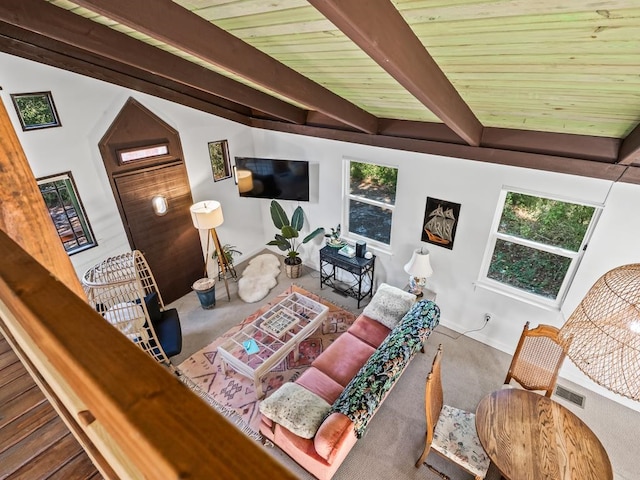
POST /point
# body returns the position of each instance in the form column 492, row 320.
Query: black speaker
column 361, row 248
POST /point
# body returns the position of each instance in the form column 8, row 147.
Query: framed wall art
column 35, row 110
column 67, row 213
column 219, row 156
column 440, row 222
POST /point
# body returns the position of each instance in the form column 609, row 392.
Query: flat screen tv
column 273, row 178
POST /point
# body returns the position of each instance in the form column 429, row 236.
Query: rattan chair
column 537, row 359
column 123, row 290
column 450, row 432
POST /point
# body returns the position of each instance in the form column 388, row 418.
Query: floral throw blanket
column 368, row 388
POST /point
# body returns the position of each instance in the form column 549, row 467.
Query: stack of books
column 347, row 251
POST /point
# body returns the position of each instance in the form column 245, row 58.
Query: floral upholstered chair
column 451, row 432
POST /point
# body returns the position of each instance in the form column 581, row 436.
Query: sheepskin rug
column 259, row 277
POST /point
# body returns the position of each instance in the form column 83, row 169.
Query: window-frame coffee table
column 276, row 332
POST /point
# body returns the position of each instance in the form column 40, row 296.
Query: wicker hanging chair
column 122, row 289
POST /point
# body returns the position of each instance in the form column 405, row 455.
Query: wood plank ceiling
column 547, row 84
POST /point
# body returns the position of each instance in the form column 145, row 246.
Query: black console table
column 358, row 273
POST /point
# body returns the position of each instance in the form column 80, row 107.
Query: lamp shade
column 245, row 180
column 602, row 335
column 206, row 215
column 419, row 264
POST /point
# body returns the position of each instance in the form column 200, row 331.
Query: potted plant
column 333, row 238
column 287, row 239
column 229, row 251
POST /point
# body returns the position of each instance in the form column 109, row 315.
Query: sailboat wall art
column 440, row 222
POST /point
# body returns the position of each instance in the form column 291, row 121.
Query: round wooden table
column 531, row 437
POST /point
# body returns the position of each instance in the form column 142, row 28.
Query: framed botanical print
column 67, row 213
column 36, row 110
column 219, row 157
column 440, row 222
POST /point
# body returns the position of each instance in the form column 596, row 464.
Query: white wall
column 87, row 107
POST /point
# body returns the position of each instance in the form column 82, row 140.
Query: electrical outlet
column 487, row 317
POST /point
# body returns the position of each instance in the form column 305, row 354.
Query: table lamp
column 419, row 269
column 207, row 215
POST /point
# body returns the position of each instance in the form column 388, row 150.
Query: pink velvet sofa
column 327, row 377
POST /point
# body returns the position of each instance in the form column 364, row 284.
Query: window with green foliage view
column 371, row 198
column 537, row 244
column 64, row 206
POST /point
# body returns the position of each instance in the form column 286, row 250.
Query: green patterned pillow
column 296, row 408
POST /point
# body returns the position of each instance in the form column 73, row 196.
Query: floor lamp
column 207, row 215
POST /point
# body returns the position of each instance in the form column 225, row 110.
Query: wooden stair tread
column 50, row 459
column 8, row 358
column 20, row 404
column 30, row 447
column 78, row 468
column 4, row 345
column 15, row 387
column 34, row 441
column 25, row 425
column 10, row 373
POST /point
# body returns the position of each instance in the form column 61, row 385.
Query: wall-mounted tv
column 273, row 178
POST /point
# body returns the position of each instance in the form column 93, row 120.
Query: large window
column 536, row 245
column 62, row 201
column 371, row 198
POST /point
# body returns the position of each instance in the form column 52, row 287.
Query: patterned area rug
column 233, row 394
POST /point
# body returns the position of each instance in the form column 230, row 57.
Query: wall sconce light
column 160, row 205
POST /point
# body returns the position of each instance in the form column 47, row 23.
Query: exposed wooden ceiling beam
column 25, row 45
column 630, row 148
column 536, row 161
column 599, row 149
column 169, row 22
column 50, row 21
column 377, row 27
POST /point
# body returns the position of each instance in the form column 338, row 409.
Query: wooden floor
column 34, row 442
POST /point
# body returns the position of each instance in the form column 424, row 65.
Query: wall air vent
column 570, row 396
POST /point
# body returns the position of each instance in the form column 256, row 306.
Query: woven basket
column 293, row 271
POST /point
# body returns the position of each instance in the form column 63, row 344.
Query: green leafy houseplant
column 287, row 239
column 229, row 251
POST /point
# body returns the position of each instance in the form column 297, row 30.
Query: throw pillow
column 296, row 409
column 153, row 307
column 389, row 305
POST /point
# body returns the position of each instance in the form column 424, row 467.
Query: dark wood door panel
column 170, row 243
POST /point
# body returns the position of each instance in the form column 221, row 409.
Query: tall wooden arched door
column 144, row 161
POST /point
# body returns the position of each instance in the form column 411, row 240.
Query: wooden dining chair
column 450, row 432
column 537, row 359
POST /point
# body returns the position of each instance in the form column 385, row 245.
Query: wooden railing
column 139, row 417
